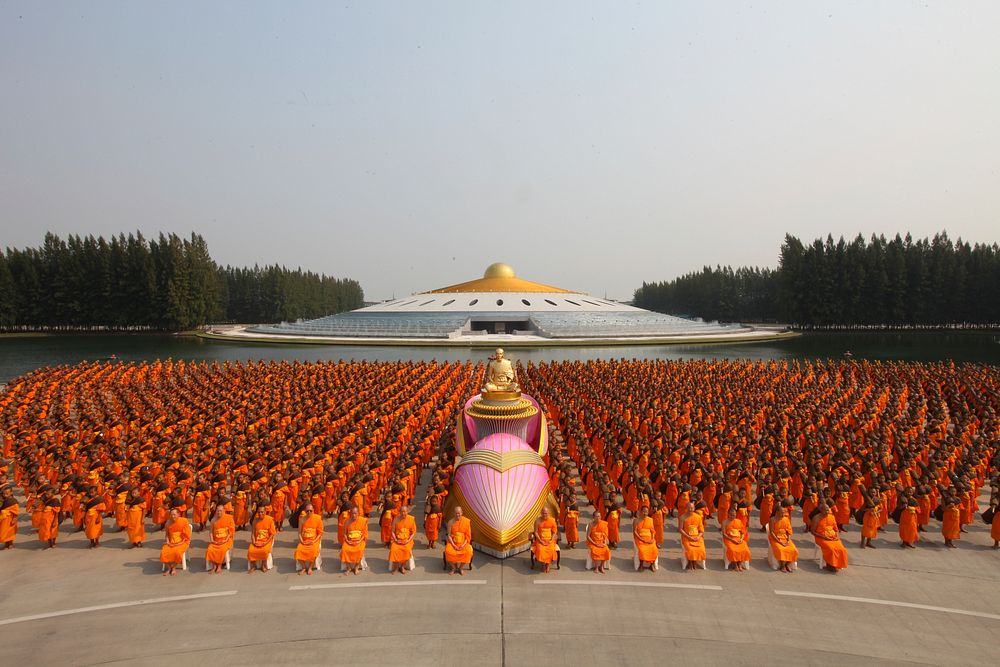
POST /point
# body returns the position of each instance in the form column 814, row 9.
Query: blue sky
column 410, row 144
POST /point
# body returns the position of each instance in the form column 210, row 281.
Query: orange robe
column 614, row 528
column 223, row 532
column 645, row 543
column 48, row 526
column 870, row 523
column 780, row 540
column 401, row 547
column 264, row 531
column 8, row 523
column 908, row 525
column 691, row 537
column 734, row 539
column 597, row 541
column 310, row 534
column 461, row 534
column 825, row 534
column 134, row 515
column 572, row 526
column 355, row 539
column 93, row 521
column 951, row 526
column 178, row 541
column 544, row 547
column 432, row 526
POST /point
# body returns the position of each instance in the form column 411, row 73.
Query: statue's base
column 501, row 395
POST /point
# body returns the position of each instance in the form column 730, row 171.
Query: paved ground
column 124, row 612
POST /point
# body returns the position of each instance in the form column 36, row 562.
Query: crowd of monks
column 263, row 447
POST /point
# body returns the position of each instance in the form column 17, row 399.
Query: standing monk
column 544, row 539
column 597, row 543
column 951, row 526
column 9, row 509
column 221, row 542
column 178, row 540
column 404, row 530
column 458, row 548
column 432, row 524
column 310, row 536
column 572, row 526
column 93, row 518
column 644, row 537
column 908, row 533
column 352, row 551
column 261, row 540
column 135, row 514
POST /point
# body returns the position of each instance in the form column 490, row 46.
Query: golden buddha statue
column 501, row 378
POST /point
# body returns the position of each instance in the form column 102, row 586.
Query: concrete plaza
column 111, row 606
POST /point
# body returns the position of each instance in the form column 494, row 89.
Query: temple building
column 502, row 307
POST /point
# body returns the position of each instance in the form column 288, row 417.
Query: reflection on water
column 20, row 355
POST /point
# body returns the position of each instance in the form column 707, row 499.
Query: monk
column 826, row 533
column 572, row 526
column 135, row 514
column 432, row 524
column 9, row 510
column 908, row 533
column 994, row 526
column 458, row 548
column 614, row 523
column 48, row 527
column 178, row 540
column 644, row 538
column 404, row 530
column 544, row 539
column 734, row 541
column 779, row 537
column 310, row 538
column 951, row 526
column 352, row 551
column 93, row 519
column 869, row 524
column 261, row 540
column 597, row 543
column 221, row 539
column 691, row 526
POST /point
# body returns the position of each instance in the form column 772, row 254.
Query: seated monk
column 692, row 529
column 261, row 540
column 404, row 530
column 597, row 543
column 310, row 537
column 458, row 548
column 221, row 541
column 734, row 540
column 544, row 539
column 178, row 540
column 826, row 533
column 352, row 551
column 779, row 537
column 644, row 537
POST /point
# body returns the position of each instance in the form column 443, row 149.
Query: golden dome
column 499, row 270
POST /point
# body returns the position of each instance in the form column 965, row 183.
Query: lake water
column 20, row 355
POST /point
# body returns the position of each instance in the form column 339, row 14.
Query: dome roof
column 500, row 277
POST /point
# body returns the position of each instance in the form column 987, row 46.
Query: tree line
column 164, row 284
column 877, row 282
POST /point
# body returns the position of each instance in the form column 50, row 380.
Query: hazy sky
column 410, row 144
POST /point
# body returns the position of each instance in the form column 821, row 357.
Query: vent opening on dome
column 526, row 302
column 499, row 302
column 573, row 302
column 448, row 302
column 474, row 302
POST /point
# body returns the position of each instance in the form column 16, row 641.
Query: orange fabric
column 177, row 542
column 221, row 539
column 780, row 540
column 461, row 534
column 401, row 547
column 544, row 546
column 355, row 540
column 310, row 534
column 262, row 540
column 134, row 522
column 734, row 540
column 692, row 528
column 645, row 540
column 597, row 541
column 826, row 536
